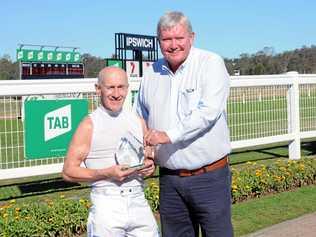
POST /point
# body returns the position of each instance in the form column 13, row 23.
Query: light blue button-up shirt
column 190, row 106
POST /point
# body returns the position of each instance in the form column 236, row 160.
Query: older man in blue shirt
column 183, row 99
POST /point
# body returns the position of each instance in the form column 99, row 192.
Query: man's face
column 175, row 44
column 113, row 91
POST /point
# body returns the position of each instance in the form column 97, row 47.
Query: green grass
column 261, row 154
column 254, row 118
column 269, row 152
column 256, row 214
column 38, row 187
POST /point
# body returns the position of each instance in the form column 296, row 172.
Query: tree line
column 265, row 61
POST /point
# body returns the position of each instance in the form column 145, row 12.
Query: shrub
column 67, row 217
column 255, row 180
column 60, row 217
column 152, row 195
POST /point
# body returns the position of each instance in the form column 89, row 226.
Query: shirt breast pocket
column 188, row 101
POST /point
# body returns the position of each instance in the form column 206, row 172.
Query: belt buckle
column 188, row 173
column 204, row 169
column 185, row 173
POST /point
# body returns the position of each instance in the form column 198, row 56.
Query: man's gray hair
column 100, row 78
column 171, row 19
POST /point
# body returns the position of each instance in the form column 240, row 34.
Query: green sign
column 33, row 55
column 50, row 124
column 114, row 62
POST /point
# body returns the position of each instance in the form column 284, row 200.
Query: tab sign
column 57, row 122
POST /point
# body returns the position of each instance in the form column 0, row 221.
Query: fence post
column 293, row 109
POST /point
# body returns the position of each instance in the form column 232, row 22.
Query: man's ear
column 97, row 89
column 192, row 37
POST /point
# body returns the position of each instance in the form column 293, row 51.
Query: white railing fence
column 261, row 110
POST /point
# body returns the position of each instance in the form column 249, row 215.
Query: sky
column 227, row 27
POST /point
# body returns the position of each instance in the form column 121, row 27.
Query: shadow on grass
column 272, row 155
column 44, row 186
column 254, row 160
column 260, row 154
column 309, row 148
column 40, row 187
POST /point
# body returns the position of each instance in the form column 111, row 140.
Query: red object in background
column 51, row 70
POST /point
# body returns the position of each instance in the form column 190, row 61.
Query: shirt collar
column 166, row 67
column 109, row 112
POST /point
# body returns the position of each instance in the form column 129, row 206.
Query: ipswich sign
column 139, row 42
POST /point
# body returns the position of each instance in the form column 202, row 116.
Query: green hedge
column 67, row 217
column 59, row 217
column 255, row 180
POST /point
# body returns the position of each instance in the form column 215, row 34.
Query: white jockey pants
column 118, row 212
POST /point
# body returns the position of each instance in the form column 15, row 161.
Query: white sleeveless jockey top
column 108, row 129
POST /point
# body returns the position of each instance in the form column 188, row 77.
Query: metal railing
column 261, row 110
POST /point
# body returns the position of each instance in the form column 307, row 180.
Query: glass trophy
column 130, row 151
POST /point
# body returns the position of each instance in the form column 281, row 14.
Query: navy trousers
column 187, row 203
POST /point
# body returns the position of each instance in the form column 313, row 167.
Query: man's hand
column 118, row 172
column 149, row 152
column 154, row 137
column 148, row 168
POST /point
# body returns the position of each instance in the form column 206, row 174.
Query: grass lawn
column 40, row 187
column 266, row 154
column 252, row 215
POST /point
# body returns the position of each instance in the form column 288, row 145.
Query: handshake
column 151, row 139
column 154, row 137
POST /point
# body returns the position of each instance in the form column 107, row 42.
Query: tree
column 92, row 65
column 265, row 61
column 8, row 70
column 259, row 69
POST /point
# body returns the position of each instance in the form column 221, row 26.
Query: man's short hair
column 171, row 19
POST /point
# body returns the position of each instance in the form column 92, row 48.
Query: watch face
column 130, row 151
